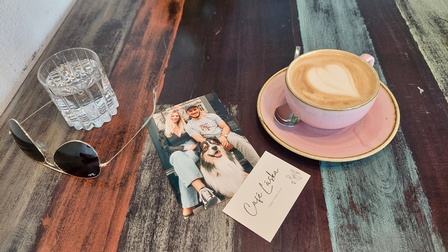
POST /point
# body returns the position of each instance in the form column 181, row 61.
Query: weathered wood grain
column 393, row 201
column 428, row 24
column 368, row 201
column 423, row 104
column 222, row 46
column 27, row 187
column 70, row 224
column 154, row 221
column 378, row 204
column 30, row 226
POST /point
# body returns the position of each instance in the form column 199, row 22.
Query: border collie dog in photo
column 220, row 168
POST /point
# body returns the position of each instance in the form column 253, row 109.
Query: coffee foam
column 332, row 80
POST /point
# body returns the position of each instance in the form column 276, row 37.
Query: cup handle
column 369, row 58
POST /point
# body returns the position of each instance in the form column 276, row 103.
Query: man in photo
column 202, row 126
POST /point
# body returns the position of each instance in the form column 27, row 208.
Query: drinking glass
column 78, row 86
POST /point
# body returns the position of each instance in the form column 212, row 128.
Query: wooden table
column 395, row 200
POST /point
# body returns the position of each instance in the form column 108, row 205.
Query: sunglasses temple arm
column 126, row 145
column 155, row 91
column 39, row 109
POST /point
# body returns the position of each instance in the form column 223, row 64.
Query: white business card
column 267, row 195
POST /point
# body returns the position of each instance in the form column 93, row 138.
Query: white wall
column 26, row 26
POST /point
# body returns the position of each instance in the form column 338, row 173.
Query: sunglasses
column 76, row 158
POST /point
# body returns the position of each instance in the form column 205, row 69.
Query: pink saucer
column 360, row 140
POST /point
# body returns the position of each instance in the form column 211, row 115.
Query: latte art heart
column 333, row 79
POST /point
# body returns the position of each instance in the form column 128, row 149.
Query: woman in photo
column 180, row 146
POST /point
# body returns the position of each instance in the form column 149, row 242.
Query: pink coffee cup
column 331, row 89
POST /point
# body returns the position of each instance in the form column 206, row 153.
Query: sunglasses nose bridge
column 49, row 163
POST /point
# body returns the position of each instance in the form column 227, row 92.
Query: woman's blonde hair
column 169, row 124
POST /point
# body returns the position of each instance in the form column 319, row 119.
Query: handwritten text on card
column 267, row 186
column 266, row 196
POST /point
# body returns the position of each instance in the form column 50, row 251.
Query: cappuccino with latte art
column 331, row 89
column 332, row 79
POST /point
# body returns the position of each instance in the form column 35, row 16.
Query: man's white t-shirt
column 207, row 126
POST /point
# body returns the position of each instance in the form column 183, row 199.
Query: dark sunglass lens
column 24, row 142
column 78, row 159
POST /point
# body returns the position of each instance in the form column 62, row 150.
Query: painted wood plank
column 28, row 188
column 428, row 24
column 367, row 200
column 231, row 53
column 233, row 49
column 264, row 45
column 423, row 104
column 71, row 225
column 154, row 221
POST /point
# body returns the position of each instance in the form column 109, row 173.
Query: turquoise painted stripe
column 375, row 204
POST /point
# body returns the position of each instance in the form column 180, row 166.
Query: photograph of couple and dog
column 203, row 152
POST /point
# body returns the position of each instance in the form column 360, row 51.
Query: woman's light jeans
column 184, row 163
